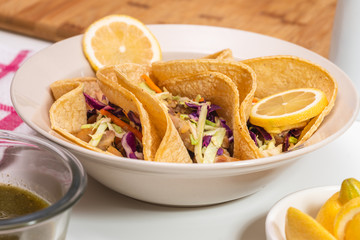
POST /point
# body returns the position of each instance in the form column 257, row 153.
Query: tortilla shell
column 61, row 87
column 225, row 54
column 280, row 73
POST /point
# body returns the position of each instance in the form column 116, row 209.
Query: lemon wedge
column 349, row 211
column 352, row 231
column 117, row 39
column 301, row 226
column 287, row 109
column 327, row 213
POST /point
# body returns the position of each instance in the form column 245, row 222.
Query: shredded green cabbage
column 95, row 138
column 200, row 134
column 215, row 143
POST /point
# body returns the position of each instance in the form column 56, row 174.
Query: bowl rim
column 251, row 164
column 74, row 193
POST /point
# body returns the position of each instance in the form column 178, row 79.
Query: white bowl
column 47, row 171
column 308, row 201
column 166, row 183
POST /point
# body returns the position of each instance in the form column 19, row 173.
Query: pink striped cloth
column 10, row 61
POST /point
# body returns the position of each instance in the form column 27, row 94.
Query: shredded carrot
column 122, row 124
column 150, row 83
column 125, row 113
column 255, row 100
column 199, row 100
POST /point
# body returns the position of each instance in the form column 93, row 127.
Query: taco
column 277, row 74
column 161, row 122
column 206, row 121
column 203, row 108
column 102, row 117
column 240, row 74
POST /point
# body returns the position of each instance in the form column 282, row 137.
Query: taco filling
column 273, row 143
column 205, row 135
column 111, row 129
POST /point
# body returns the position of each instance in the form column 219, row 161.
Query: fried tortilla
column 280, row 73
column 225, row 54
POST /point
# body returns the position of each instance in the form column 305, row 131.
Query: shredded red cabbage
column 128, row 142
column 194, row 116
column 229, row 132
column 116, row 110
column 211, row 117
column 193, row 105
column 292, row 133
column 133, row 117
column 213, row 108
column 132, row 155
column 206, row 140
column 253, row 137
column 220, row 152
column 295, row 132
column 286, row 144
column 264, row 133
column 212, row 114
column 94, row 103
column 109, row 108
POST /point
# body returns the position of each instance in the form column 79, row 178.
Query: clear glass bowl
column 46, row 170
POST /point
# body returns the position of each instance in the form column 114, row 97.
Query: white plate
column 177, row 184
column 308, row 201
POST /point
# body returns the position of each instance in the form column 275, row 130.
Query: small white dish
column 308, row 201
column 168, row 183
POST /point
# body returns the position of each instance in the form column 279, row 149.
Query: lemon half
column 117, row 39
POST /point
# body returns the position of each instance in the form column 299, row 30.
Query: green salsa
column 15, row 201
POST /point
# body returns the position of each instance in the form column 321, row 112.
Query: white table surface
column 105, row 214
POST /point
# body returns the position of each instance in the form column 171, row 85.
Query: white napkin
column 10, row 61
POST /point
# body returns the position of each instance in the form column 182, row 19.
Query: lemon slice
column 119, row 39
column 344, row 216
column 299, row 225
column 289, row 108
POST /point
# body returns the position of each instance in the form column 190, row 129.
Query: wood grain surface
column 304, row 22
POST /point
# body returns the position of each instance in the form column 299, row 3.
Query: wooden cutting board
column 304, row 22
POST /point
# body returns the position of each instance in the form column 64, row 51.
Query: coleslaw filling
column 102, row 132
column 205, row 135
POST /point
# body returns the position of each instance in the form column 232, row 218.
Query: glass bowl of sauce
column 39, row 184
